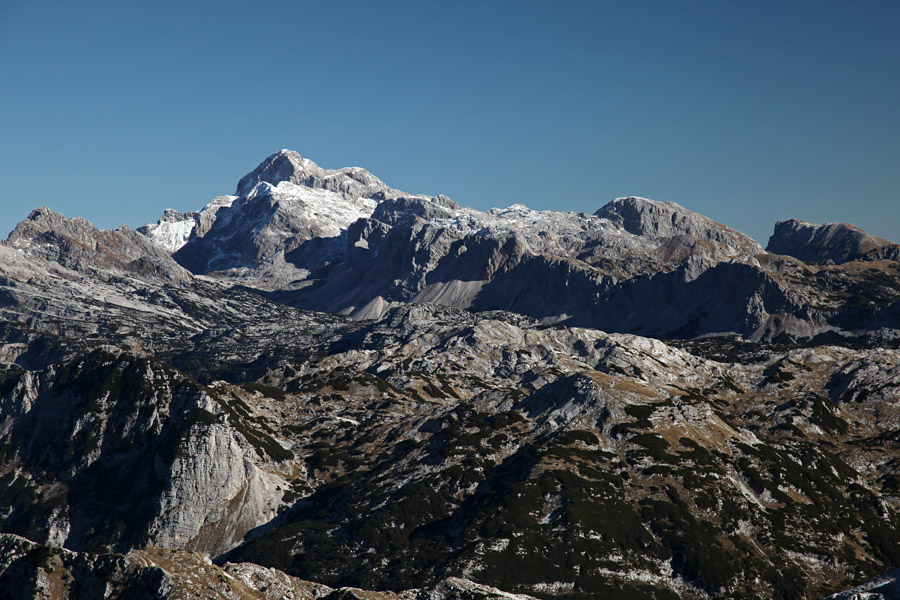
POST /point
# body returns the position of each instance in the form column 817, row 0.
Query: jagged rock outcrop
column 77, row 245
column 830, row 243
column 287, row 166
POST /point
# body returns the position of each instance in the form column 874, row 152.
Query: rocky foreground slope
column 32, row 570
column 481, row 412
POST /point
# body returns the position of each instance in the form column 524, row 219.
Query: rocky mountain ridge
column 457, row 425
column 830, row 243
column 343, row 242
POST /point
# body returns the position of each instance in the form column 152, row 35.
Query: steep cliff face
column 111, row 451
column 644, row 217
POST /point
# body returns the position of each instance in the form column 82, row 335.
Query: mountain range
column 324, row 386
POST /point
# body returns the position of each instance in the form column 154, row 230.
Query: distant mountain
column 77, row 245
column 284, row 203
column 831, row 243
column 342, row 241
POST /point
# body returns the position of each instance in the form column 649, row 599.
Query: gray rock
column 289, row 166
column 77, row 245
column 287, row 210
column 886, row 587
column 169, row 465
column 644, row 217
column 830, row 243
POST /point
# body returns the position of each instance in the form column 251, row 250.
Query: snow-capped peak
column 289, row 166
column 174, row 229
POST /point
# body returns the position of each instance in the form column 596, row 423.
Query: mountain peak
column 835, row 243
column 642, row 216
column 289, row 166
column 284, row 165
column 43, row 220
column 78, row 245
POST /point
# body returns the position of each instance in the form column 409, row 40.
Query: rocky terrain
column 161, row 573
column 324, row 387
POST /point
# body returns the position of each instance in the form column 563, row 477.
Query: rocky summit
column 324, row 387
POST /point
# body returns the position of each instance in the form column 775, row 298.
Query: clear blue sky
column 747, row 112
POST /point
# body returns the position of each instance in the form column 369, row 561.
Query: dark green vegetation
column 484, row 495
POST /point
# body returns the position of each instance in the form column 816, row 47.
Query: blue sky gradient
column 746, row 112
